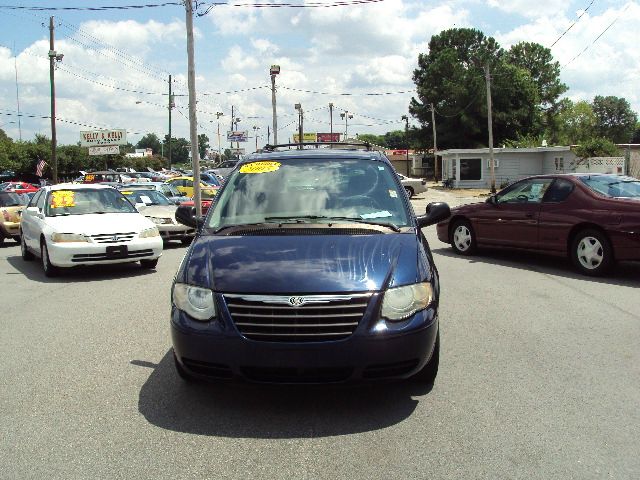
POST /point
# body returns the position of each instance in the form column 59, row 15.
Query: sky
column 357, row 54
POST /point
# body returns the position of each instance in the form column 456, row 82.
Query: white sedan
column 86, row 224
column 413, row 186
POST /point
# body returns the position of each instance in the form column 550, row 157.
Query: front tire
column 591, row 252
column 409, row 191
column 149, row 264
column 429, row 372
column 463, row 238
column 49, row 269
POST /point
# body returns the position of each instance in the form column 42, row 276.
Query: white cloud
column 542, row 8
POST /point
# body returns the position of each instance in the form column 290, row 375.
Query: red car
column 205, row 205
column 18, row 187
column 594, row 219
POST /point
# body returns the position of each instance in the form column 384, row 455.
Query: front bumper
column 442, row 230
column 78, row 253
column 175, row 232
column 216, row 350
column 10, row 229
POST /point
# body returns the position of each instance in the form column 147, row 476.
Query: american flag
column 40, row 167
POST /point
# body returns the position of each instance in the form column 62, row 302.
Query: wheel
column 186, row 240
column 409, row 191
column 591, row 252
column 49, row 269
column 463, row 238
column 429, row 372
column 181, row 371
column 150, row 264
column 27, row 256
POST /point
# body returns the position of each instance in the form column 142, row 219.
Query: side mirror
column 436, row 212
column 492, row 200
column 186, row 215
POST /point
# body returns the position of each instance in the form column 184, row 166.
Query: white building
column 470, row 168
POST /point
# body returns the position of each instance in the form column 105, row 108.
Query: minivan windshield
column 311, row 191
column 86, row 201
column 613, row 185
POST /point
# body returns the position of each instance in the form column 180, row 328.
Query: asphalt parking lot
column 539, row 378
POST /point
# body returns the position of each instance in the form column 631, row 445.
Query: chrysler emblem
column 296, row 301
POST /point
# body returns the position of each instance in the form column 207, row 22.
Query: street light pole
column 275, row 70
column 218, row 115
column 298, row 107
column 331, row 121
column 171, row 105
column 53, row 57
column 406, row 134
column 193, row 122
column 255, row 134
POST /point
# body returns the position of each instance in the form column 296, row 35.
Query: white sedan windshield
column 86, row 201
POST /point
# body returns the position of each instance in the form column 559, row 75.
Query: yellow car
column 11, row 206
column 185, row 185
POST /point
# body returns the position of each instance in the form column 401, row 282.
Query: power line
column 98, row 8
column 58, row 119
column 598, row 37
column 574, row 22
column 371, row 94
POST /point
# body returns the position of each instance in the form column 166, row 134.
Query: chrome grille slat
column 296, row 316
column 316, row 318
column 108, row 237
column 298, row 325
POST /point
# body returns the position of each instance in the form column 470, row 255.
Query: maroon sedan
column 594, row 219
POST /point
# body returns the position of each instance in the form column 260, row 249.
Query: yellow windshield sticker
column 260, row 167
column 126, row 193
column 63, row 198
column 89, row 178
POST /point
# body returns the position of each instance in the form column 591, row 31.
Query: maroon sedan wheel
column 463, row 238
column 591, row 252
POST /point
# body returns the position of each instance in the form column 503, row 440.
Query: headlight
column 160, row 221
column 402, row 302
column 197, row 302
column 68, row 237
column 149, row 232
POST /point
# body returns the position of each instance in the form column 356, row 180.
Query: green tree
column 179, row 149
column 451, row 77
column 575, row 122
column 150, row 140
column 372, row 139
column 596, row 147
column 203, row 145
column 614, row 118
column 636, row 134
column 395, row 140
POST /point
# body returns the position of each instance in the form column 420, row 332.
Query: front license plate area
column 117, row 251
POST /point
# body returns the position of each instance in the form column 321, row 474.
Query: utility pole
column 406, row 135
column 171, row 104
column 275, row 70
column 255, row 134
column 490, row 125
column 15, row 65
column 331, row 121
column 436, row 168
column 52, row 59
column 298, row 107
column 193, row 122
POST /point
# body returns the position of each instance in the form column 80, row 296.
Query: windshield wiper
column 301, row 218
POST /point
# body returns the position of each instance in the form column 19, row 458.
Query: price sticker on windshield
column 260, row 167
column 63, row 198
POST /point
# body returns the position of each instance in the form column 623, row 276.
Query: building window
column 559, row 162
column 470, row 169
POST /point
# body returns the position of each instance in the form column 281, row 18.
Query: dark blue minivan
column 310, row 267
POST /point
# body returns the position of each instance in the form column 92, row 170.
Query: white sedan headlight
column 197, row 302
column 402, row 302
column 161, row 221
column 68, row 237
column 150, row 232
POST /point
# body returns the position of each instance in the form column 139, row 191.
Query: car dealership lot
column 538, row 379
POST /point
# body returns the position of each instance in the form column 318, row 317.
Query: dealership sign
column 328, row 137
column 104, row 150
column 306, row 137
column 103, row 137
column 237, row 136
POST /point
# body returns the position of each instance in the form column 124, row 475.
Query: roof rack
column 271, row 148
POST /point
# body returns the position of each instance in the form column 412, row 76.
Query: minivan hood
column 302, row 264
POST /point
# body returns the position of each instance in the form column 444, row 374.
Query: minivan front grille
column 113, row 237
column 297, row 318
